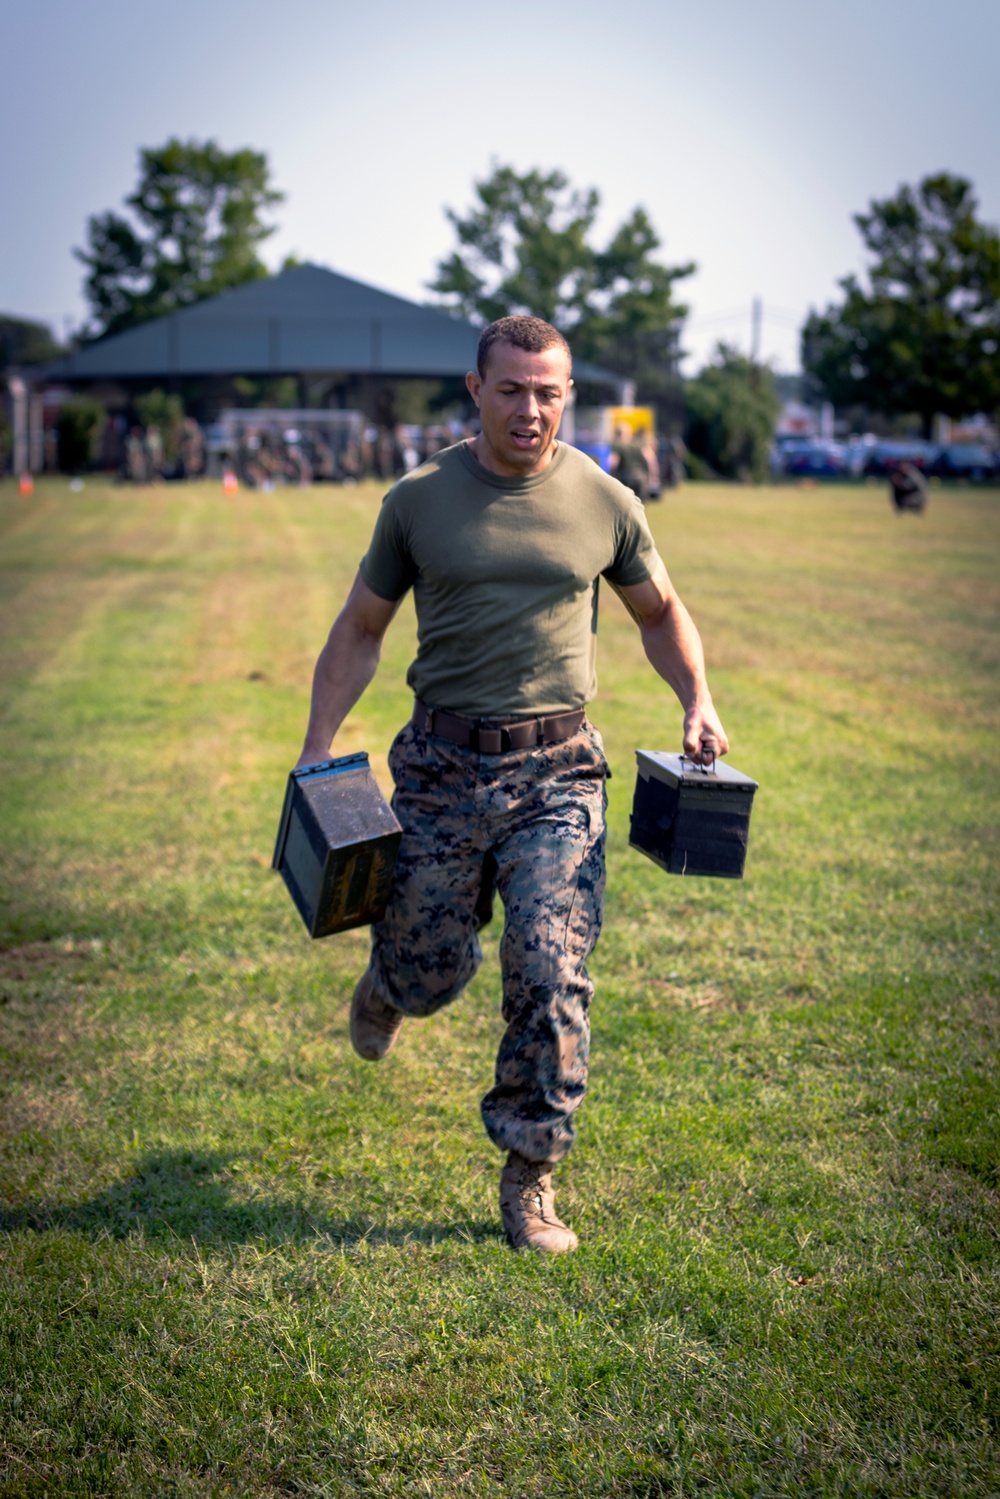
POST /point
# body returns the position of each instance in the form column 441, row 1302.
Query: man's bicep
column 388, row 567
column 368, row 611
column 647, row 600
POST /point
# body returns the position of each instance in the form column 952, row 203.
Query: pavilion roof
column 304, row 320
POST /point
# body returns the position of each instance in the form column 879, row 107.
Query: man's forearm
column 345, row 666
column 674, row 650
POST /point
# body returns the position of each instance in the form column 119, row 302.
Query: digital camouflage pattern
column 532, row 821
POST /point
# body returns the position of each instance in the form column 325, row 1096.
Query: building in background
column 308, row 339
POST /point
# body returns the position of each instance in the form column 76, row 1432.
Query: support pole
column 19, row 395
column 756, row 317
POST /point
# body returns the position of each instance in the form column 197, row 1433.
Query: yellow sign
column 636, row 419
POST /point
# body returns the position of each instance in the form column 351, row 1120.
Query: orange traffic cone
column 26, row 484
column 230, row 483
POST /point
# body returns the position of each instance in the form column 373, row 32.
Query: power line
column 782, row 317
column 736, row 314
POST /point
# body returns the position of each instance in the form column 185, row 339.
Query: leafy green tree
column 281, row 392
column 525, row 247
column 196, row 222
column 79, row 429
column 732, row 406
column 925, row 337
column 416, row 401
column 23, row 341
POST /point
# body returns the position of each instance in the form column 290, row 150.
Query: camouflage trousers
column 529, row 824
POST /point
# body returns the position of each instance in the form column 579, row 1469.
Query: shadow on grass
column 183, row 1195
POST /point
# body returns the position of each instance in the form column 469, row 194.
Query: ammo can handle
column 705, row 769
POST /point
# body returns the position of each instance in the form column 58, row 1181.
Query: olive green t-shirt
column 505, row 574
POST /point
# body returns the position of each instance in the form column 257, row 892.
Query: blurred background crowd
column 264, row 448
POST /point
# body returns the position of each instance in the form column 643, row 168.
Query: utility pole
column 756, row 316
column 19, row 395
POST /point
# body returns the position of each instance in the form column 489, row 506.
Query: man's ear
column 474, row 385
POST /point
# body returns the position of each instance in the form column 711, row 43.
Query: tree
column 732, row 407
column 196, row 222
column 25, row 342
column 278, row 393
column 525, row 247
column 926, row 337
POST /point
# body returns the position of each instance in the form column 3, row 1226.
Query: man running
column 499, row 774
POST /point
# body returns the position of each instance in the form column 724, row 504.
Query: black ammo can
column 690, row 819
column 337, row 844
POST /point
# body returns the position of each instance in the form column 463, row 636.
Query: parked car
column 782, row 449
column 818, row 459
column 963, row 460
column 885, row 455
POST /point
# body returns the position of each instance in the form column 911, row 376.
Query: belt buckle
column 488, row 741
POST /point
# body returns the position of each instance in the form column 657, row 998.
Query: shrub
column 80, row 427
column 731, row 410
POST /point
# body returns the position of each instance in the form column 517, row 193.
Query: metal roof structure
column 304, row 320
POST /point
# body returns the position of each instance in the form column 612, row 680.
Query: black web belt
column 486, row 737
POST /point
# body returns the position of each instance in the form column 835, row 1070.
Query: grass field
column 236, row 1260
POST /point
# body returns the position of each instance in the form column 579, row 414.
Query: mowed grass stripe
column 235, row 1259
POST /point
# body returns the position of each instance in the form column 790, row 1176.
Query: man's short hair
column 529, row 333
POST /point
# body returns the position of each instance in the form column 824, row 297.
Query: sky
column 750, row 133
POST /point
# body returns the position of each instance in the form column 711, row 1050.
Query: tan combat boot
column 528, row 1207
column 374, row 1023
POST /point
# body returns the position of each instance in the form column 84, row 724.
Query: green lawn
column 236, row 1260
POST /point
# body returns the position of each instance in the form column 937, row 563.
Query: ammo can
column 691, row 819
column 337, row 844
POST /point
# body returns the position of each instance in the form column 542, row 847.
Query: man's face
column 520, row 399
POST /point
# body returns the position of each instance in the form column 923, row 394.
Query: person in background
column 628, row 462
column 136, row 467
column 248, row 459
column 907, row 488
column 367, row 448
column 409, row 457
column 323, row 465
column 154, row 454
column 647, row 448
column 351, row 463
column 192, row 449
column 671, row 457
